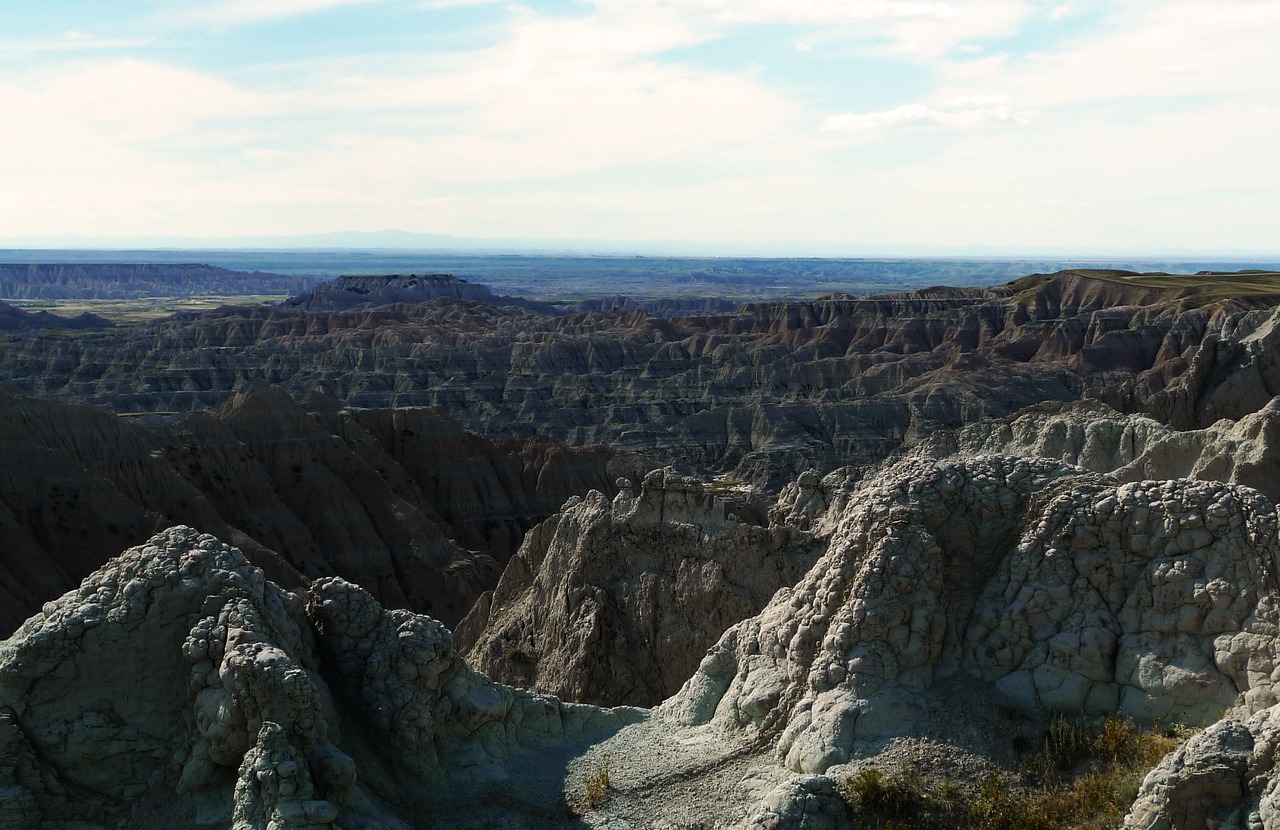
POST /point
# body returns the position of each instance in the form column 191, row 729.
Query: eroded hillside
column 405, row 503
column 763, row 392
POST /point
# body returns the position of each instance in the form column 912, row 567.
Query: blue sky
column 810, row 125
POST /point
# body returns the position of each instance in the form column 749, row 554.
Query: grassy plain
column 142, row 309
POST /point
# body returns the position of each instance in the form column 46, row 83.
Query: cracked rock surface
column 617, row 602
column 956, row 604
column 1062, row 590
column 178, row 687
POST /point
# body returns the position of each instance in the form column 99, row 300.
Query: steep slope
column 70, row 280
column 616, row 603
column 959, row 600
column 761, row 393
column 1090, row 434
column 302, row 493
column 1061, row 590
column 220, row 699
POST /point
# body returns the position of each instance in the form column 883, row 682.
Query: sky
column 809, row 125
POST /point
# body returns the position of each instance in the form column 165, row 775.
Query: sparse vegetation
column 1082, row 779
column 597, row 784
column 724, row 485
column 517, row 656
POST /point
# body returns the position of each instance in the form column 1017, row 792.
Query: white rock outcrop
column 1058, row 589
column 1094, row 436
column 956, row 601
column 178, row 687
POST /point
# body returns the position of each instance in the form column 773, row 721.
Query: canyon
column 401, row 552
column 759, row 394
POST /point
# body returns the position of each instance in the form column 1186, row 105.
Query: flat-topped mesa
column 616, row 602
column 208, row 705
column 369, row 291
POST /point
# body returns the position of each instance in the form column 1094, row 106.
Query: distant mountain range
column 394, row 239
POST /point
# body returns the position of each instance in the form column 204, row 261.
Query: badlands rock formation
column 384, row 499
column 358, row 291
column 617, row 602
column 14, row 319
column 177, row 687
column 95, row 281
column 957, row 602
column 1059, row 590
column 764, row 392
column 1094, row 436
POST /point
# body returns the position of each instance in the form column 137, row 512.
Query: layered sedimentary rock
column 13, row 319
column 368, row 291
column 617, row 602
column 95, row 281
column 1094, row 436
column 220, row 699
column 764, row 392
column 962, row 599
column 397, row 502
column 1061, row 590
column 681, row 307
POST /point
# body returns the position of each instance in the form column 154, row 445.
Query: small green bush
column 517, row 656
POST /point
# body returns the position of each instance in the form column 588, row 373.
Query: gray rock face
column 1201, row 784
column 181, row 688
column 806, row 802
column 178, row 687
column 1094, row 436
column 1062, row 590
column 614, row 603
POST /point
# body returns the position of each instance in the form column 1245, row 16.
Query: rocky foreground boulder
column 179, row 688
column 1050, row 588
column 956, row 605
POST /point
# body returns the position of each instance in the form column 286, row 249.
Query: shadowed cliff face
column 303, row 493
column 764, row 392
column 617, row 602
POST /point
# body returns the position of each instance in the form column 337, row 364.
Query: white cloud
column 589, row 127
column 964, row 111
column 816, row 12
column 235, row 12
column 1061, row 12
column 71, row 41
column 923, row 29
column 1225, row 50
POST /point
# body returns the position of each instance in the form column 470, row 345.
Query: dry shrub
column 1084, row 779
column 596, row 789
